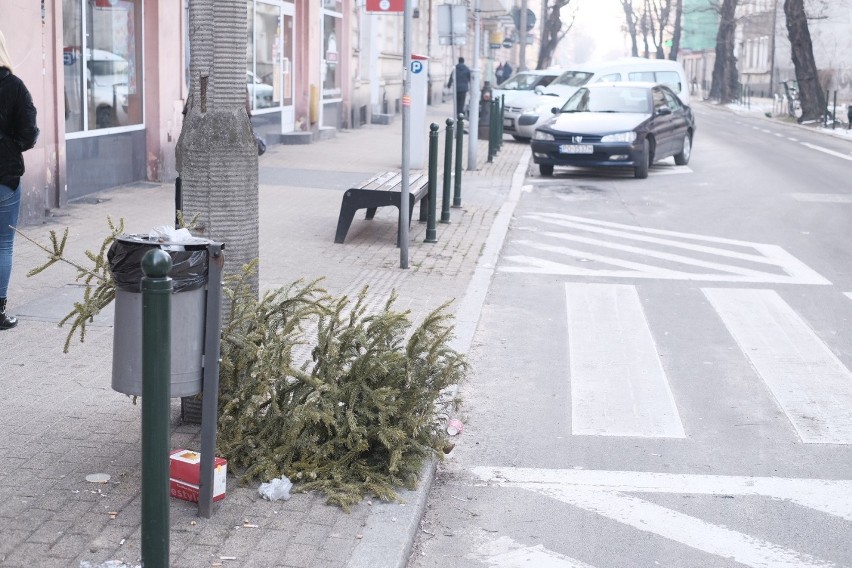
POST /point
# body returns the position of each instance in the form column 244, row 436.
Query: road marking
column 618, row 385
column 791, row 139
column 822, row 197
column 505, row 552
column 810, row 384
column 848, row 295
column 774, row 264
column 827, row 151
column 604, row 493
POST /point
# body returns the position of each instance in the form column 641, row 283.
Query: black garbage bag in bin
column 188, row 312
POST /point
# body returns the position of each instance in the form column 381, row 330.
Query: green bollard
column 156, row 394
column 431, row 233
column 491, row 133
column 459, row 144
column 448, row 167
column 500, row 126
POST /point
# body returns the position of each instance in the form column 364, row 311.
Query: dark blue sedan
column 616, row 125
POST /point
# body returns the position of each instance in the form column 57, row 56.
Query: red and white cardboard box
column 185, row 471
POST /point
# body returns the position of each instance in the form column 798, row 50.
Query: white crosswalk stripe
column 618, row 386
column 812, row 386
column 616, row 250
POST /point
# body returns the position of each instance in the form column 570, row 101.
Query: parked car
column 262, row 92
column 527, row 113
column 524, row 81
column 622, row 124
column 107, row 75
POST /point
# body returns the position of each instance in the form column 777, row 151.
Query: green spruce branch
column 99, row 289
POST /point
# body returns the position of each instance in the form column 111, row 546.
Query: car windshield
column 627, row 99
column 573, row 78
column 525, row 82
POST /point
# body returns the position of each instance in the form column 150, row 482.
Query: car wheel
column 641, row 169
column 682, row 158
column 520, row 138
column 546, row 169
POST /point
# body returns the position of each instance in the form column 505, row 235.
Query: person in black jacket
column 18, row 133
column 462, row 78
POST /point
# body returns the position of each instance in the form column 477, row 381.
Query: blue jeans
column 10, row 205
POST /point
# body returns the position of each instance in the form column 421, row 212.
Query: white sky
column 596, row 34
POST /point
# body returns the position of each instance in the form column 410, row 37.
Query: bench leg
column 344, row 221
column 371, row 212
column 424, row 208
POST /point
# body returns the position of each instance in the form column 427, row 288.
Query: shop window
column 102, row 59
column 264, row 80
column 331, row 80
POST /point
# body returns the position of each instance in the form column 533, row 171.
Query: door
column 288, row 80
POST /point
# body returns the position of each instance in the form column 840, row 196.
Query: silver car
column 524, row 113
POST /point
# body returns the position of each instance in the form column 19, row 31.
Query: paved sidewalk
column 60, row 420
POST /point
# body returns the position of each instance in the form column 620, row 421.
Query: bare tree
column 678, row 21
column 631, row 25
column 217, row 152
column 725, row 81
column 653, row 21
column 811, row 96
column 553, row 29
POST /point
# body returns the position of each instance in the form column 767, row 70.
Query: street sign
column 516, row 17
column 452, row 24
column 385, row 6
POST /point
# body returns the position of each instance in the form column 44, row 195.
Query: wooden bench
column 379, row 191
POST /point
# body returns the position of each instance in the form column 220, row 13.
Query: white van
column 525, row 113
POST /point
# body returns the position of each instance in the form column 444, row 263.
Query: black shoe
column 6, row 321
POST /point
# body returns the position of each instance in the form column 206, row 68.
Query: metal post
column 834, row 113
column 210, row 398
column 156, row 392
column 402, row 235
column 473, row 128
column 448, row 171
column 490, row 131
column 431, row 234
column 459, row 146
column 825, row 111
column 178, row 201
column 501, row 122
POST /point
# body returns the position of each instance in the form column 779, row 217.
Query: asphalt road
column 661, row 374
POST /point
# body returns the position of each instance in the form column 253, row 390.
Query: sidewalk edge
column 391, row 528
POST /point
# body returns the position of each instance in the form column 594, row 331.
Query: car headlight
column 620, row 137
column 541, row 135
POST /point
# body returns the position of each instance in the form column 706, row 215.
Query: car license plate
column 576, row 149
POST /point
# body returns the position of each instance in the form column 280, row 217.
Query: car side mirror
column 662, row 111
column 556, row 110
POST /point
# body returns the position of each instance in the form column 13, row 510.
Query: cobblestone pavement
column 60, row 420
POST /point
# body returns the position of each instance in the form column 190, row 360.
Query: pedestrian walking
column 498, row 73
column 462, row 81
column 18, row 133
column 507, row 72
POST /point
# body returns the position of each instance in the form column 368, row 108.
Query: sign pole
column 406, row 132
column 473, row 133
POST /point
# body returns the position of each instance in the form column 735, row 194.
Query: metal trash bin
column 188, row 312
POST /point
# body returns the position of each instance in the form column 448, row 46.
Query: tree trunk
column 677, row 30
column 217, row 151
column 630, row 19
column 551, row 32
column 725, row 81
column 811, row 96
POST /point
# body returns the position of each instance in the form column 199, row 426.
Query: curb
column 391, row 528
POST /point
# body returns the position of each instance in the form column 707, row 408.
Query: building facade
column 109, row 79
